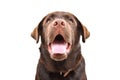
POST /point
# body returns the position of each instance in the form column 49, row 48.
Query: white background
column 19, row 53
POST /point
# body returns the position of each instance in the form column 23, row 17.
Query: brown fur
column 70, row 66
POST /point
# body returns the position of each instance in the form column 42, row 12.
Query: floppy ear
column 83, row 30
column 86, row 32
column 35, row 34
column 38, row 31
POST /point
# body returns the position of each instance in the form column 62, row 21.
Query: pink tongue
column 59, row 48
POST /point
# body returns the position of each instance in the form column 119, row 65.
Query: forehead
column 60, row 14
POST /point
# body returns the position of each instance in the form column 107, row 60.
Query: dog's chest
column 60, row 76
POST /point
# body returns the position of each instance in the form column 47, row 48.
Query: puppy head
column 59, row 32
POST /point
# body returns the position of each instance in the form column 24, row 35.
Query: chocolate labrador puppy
column 60, row 49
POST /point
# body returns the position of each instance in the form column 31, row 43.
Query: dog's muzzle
column 59, row 48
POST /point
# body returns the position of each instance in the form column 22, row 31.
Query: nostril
column 62, row 23
column 55, row 23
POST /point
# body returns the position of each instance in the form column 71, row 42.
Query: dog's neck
column 72, row 69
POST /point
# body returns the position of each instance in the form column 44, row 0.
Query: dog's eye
column 70, row 19
column 48, row 20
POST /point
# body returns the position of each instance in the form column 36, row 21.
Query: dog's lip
column 64, row 40
column 59, row 45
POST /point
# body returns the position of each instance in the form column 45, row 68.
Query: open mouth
column 59, row 46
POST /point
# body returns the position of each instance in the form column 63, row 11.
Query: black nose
column 59, row 23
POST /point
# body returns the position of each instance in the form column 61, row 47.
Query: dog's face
column 60, row 33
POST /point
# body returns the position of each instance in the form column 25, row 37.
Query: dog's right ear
column 35, row 34
column 38, row 31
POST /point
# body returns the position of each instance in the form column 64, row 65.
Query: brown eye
column 48, row 20
column 70, row 19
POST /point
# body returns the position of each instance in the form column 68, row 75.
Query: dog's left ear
column 83, row 30
column 35, row 34
column 85, row 33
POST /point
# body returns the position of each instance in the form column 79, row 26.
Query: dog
column 60, row 48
